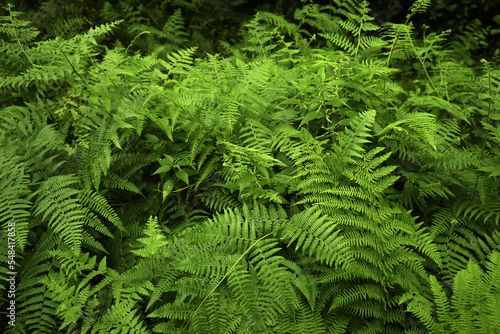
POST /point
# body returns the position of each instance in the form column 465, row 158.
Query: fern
column 14, row 208
column 356, row 24
column 343, row 184
column 472, row 309
column 73, row 298
column 56, row 199
column 35, row 303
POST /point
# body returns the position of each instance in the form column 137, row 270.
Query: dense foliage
column 322, row 174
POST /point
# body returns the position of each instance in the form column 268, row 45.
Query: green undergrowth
column 324, row 175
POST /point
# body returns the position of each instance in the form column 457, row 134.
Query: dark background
column 221, row 19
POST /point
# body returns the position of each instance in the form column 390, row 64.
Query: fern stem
column 385, row 105
column 396, row 39
column 74, row 69
column 423, row 64
column 21, row 46
column 359, row 41
column 18, row 39
column 488, row 119
column 239, row 259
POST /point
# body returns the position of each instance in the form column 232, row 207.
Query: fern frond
column 180, row 61
column 121, row 317
column 16, row 28
column 278, row 21
column 356, row 136
column 74, row 297
column 473, row 305
column 36, row 305
column 154, row 240
column 57, row 201
column 423, row 124
column 14, row 214
column 100, row 205
column 317, row 235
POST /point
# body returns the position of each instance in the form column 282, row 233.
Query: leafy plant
column 337, row 179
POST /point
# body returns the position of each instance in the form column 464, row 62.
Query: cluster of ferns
column 297, row 184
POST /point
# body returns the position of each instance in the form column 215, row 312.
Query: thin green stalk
column 239, row 259
column 488, row 119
